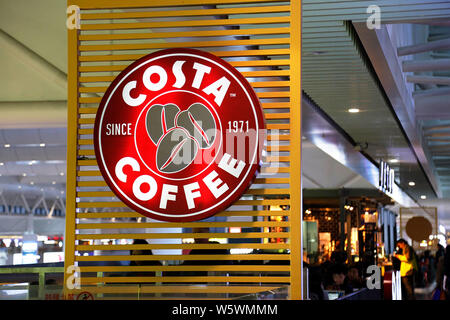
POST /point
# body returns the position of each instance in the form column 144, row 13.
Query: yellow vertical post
column 295, row 155
column 72, row 122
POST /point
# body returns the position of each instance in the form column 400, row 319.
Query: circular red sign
column 178, row 135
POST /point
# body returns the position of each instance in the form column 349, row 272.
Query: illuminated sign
column 396, row 286
column 386, row 177
column 178, row 135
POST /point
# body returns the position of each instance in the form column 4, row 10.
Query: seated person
column 354, row 277
column 339, row 279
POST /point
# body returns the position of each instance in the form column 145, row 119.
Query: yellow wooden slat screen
column 262, row 40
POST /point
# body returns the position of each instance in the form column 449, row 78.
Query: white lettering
column 213, row 186
column 144, row 196
column 179, row 75
column 191, row 194
column 166, row 195
column 218, row 89
column 122, row 163
column 132, row 102
column 118, row 129
column 228, row 164
column 146, row 78
column 201, row 70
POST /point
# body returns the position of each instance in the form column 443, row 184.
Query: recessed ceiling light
column 42, row 145
column 412, row 183
column 61, row 173
column 53, row 182
column 20, row 187
column 31, row 182
column 1, row 164
column 423, row 197
column 393, row 161
column 24, row 174
column 7, row 145
column 353, row 110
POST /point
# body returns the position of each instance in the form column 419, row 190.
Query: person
column 339, row 279
column 142, row 253
column 205, row 251
column 408, row 267
column 316, row 288
column 354, row 277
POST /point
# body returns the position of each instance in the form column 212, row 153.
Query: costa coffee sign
column 178, row 135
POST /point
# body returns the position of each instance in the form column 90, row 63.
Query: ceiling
column 337, row 74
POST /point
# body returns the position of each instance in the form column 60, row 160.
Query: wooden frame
column 105, row 44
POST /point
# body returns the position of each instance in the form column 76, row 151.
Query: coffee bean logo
column 175, row 151
column 200, row 124
column 160, row 119
column 178, row 135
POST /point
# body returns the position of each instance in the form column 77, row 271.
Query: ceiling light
column 423, row 197
column 61, row 174
column 353, row 110
column 7, row 145
column 412, row 183
column 393, row 161
column 42, row 145
column 24, row 174
column 31, row 182
column 20, row 187
column 53, row 182
column 2, row 164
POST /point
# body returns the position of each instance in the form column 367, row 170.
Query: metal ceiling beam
column 424, row 47
column 442, row 23
column 439, row 127
column 383, row 56
column 431, row 92
column 426, row 65
column 428, row 80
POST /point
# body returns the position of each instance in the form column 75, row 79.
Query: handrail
column 41, row 271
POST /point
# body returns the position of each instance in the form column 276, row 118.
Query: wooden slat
column 103, row 194
column 184, row 246
column 203, row 257
column 196, row 44
column 118, row 225
column 257, row 181
column 171, row 289
column 89, row 173
column 181, row 13
column 115, row 4
column 181, row 279
column 262, row 213
column 265, row 73
column 244, row 235
column 235, row 268
column 255, row 84
column 182, row 34
column 185, row 23
column 237, row 203
column 229, row 53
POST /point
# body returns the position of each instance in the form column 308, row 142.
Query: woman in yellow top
column 407, row 267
